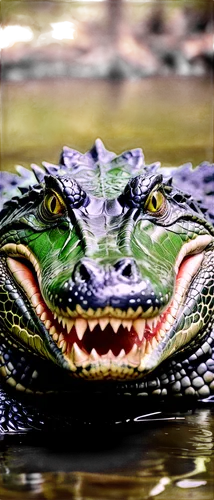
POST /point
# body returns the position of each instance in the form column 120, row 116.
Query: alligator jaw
column 104, row 346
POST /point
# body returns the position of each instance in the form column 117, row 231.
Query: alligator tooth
column 167, row 325
column 162, row 333
column 52, row 330
column 138, row 312
column 103, row 322
column 44, row 316
column 130, row 312
column 63, row 346
column 55, row 336
column 133, row 356
column 77, row 355
column 108, row 356
column 148, row 313
column 47, row 324
column 154, row 343
column 90, row 311
column 63, row 322
column 92, row 323
column 121, row 354
column 94, row 356
column 79, row 309
column 59, row 318
column 69, row 324
column 127, row 323
column 80, row 325
column 55, row 316
column 61, row 337
column 142, row 348
column 155, row 321
column 115, row 324
column 158, row 337
column 149, row 323
column 170, row 319
column 72, row 314
column 139, row 326
column 148, row 349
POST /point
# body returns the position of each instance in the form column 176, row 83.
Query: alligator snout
column 118, row 286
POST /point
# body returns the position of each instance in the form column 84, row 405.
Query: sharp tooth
column 61, row 337
column 55, row 316
column 92, row 323
column 155, row 321
column 133, row 356
column 142, row 348
column 80, row 325
column 79, row 309
column 71, row 313
column 52, row 330
column 47, row 324
column 148, row 349
column 158, row 337
column 103, row 323
column 115, row 324
column 43, row 316
column 63, row 322
column 77, row 355
column 55, row 336
column 138, row 312
column 170, row 319
column 162, row 333
column 94, row 356
column 127, row 323
column 59, row 318
column 63, row 346
column 90, row 312
column 69, row 324
column 121, row 354
column 139, row 326
column 148, row 313
column 154, row 343
column 149, row 323
column 110, row 355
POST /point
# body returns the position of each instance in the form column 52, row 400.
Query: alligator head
column 106, row 267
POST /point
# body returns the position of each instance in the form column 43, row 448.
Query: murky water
column 153, row 459
column 171, row 119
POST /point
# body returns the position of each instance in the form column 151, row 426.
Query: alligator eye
column 53, row 204
column 155, row 201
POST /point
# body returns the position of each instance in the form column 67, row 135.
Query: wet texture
column 163, row 455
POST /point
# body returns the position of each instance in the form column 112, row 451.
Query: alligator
column 106, row 286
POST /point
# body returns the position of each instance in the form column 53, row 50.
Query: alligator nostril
column 126, row 268
column 127, row 271
column 84, row 275
column 87, row 271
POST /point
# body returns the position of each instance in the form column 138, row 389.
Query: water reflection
column 170, row 459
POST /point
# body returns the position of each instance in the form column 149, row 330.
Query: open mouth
column 104, row 345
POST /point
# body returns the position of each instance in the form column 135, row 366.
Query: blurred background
column 134, row 73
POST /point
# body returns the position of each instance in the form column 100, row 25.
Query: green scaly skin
column 106, row 280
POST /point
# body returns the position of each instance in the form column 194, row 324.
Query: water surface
column 170, row 118
column 154, row 459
